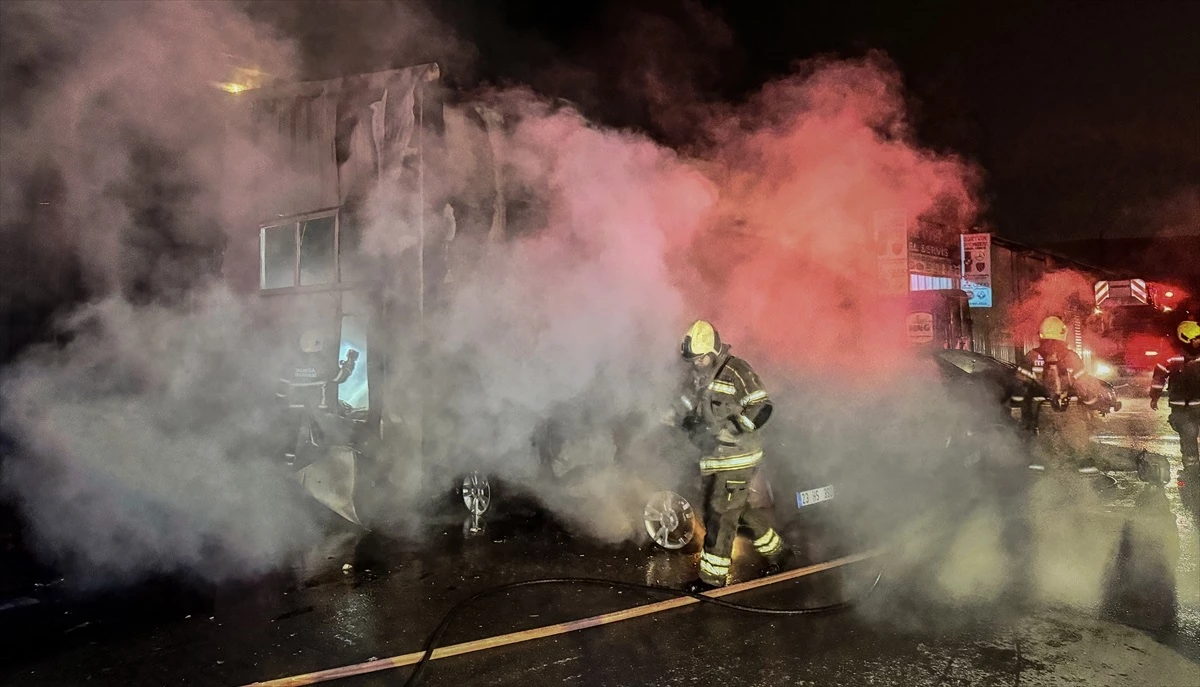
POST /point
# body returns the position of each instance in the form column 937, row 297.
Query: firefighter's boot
column 699, row 586
column 785, row 560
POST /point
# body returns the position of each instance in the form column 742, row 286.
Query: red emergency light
column 1166, row 297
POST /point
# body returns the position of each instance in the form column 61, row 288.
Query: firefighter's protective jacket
column 730, row 407
column 311, row 381
column 1053, row 371
column 1180, row 376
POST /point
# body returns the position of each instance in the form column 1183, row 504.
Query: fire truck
column 1138, row 319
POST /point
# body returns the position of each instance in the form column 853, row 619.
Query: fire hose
column 435, row 638
column 433, row 646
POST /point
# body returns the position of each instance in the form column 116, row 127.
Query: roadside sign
column 920, row 327
column 980, row 295
column 977, row 269
column 976, row 255
column 931, row 257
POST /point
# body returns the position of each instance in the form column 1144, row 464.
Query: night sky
column 1082, row 114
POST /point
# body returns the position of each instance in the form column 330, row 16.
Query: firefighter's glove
column 700, row 434
column 1154, row 404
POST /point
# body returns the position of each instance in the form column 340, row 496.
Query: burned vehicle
column 807, row 478
column 644, row 472
column 302, row 254
column 998, row 379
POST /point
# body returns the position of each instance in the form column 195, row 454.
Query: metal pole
column 420, row 100
column 421, row 206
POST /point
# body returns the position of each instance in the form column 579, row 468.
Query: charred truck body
column 302, row 249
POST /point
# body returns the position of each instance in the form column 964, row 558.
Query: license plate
column 808, row 498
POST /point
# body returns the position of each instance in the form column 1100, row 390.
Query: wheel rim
column 476, row 493
column 669, row 520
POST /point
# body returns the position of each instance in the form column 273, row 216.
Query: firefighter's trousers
column 308, row 432
column 727, row 509
column 1186, row 421
column 304, row 435
column 1031, row 410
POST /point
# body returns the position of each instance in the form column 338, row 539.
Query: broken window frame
column 296, row 222
column 317, row 256
column 359, row 275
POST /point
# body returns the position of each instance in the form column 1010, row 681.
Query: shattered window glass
column 278, row 265
column 317, row 251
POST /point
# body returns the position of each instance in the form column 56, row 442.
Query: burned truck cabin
column 355, row 237
column 337, row 143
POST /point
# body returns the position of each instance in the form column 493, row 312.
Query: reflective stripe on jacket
column 734, row 406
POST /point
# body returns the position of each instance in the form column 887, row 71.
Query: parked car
column 817, row 494
column 970, row 370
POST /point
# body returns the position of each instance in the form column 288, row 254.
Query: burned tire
column 669, row 520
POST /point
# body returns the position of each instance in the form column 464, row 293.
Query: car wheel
column 476, row 493
column 669, row 520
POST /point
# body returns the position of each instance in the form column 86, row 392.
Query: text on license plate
column 808, row 498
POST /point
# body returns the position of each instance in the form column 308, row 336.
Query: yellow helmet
column 1189, row 333
column 701, row 339
column 1053, row 328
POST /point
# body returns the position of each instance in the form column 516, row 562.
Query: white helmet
column 311, row 341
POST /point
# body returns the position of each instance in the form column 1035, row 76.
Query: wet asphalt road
column 1131, row 617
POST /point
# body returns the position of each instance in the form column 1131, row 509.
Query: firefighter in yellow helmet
column 1052, row 373
column 727, row 408
column 1180, row 377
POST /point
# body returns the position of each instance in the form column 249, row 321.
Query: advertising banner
column 977, row 269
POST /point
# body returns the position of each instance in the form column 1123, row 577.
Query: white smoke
column 145, row 429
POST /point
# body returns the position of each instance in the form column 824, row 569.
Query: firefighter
column 1180, row 376
column 728, row 407
column 308, row 387
column 1052, row 373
